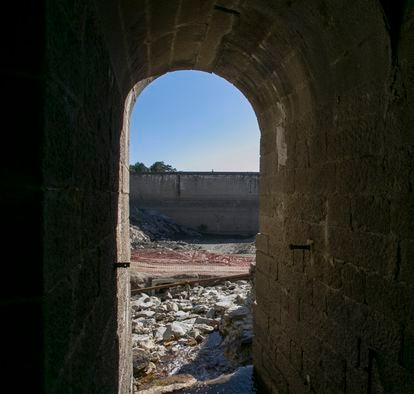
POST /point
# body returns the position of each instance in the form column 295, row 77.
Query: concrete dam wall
column 211, row 202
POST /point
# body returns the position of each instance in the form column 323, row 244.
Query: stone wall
column 215, row 203
column 85, row 296
column 339, row 318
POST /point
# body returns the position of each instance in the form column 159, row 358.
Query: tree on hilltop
column 160, row 166
column 138, row 167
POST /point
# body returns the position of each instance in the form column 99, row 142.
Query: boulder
column 170, row 384
column 176, row 330
column 140, row 361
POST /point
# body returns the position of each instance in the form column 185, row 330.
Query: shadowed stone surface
column 332, row 86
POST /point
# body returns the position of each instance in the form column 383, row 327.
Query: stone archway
column 331, row 84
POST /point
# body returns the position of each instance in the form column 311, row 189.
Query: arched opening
column 194, row 221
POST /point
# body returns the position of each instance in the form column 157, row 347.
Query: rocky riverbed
column 190, row 335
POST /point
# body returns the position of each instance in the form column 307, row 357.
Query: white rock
column 172, row 306
column 200, row 309
column 204, row 328
column 146, row 314
column 190, row 321
column 181, row 315
column 137, row 326
column 223, row 305
column 238, row 313
column 170, row 384
column 143, row 341
column 144, row 302
column 176, row 330
column 159, row 333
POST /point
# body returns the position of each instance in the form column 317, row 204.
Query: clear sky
column 194, row 121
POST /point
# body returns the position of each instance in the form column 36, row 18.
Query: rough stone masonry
column 332, row 85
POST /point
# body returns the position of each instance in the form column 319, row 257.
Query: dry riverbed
column 187, row 336
column 189, row 339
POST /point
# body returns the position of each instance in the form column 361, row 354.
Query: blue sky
column 194, row 121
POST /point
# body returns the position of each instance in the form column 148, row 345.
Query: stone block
column 276, row 294
column 59, row 315
column 162, row 17
column 339, row 211
column 341, row 244
column 397, row 305
column 195, row 12
column 397, row 178
column 62, row 207
column 295, row 382
column 383, row 336
column 323, row 179
column 124, row 179
column 353, row 282
column 284, row 181
column 332, row 272
column 406, row 357
column 266, row 205
column 267, row 135
column 186, row 45
column 335, row 306
column 374, row 252
column 371, row 214
column 356, row 380
column 262, row 290
column 317, row 148
column 357, row 316
column 390, row 377
column 314, row 266
column 402, row 214
column 160, row 52
column 296, row 356
column 290, row 279
column 261, row 321
column 334, row 145
column 303, row 180
column 319, row 294
column 358, row 176
column 313, row 374
column 267, row 265
column 336, row 365
column 305, row 291
column 406, row 273
column 262, row 243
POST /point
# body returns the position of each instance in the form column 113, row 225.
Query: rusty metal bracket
column 308, row 246
column 300, row 247
column 122, row 265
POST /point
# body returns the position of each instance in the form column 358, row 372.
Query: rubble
column 149, row 226
column 183, row 322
